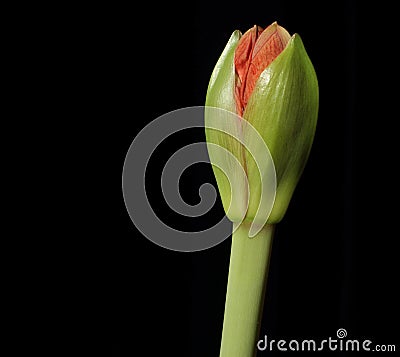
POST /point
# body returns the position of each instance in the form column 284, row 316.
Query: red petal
column 254, row 53
column 242, row 61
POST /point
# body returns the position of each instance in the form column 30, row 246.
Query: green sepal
column 220, row 94
column 283, row 108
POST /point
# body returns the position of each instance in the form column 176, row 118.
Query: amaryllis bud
column 268, row 80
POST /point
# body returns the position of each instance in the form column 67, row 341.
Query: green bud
column 279, row 100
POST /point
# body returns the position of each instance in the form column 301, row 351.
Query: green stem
column 248, row 271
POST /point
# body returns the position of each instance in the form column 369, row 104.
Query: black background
column 333, row 261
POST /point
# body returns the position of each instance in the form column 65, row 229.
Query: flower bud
column 268, row 80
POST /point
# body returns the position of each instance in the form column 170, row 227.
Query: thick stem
column 247, row 279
